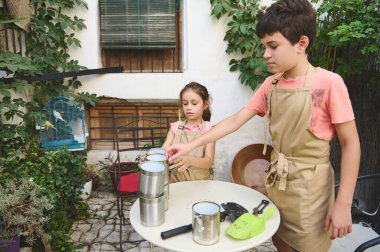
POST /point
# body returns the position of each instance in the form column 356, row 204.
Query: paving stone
column 114, row 237
column 102, row 214
column 84, row 249
column 110, row 221
column 108, row 206
column 112, row 214
column 103, row 233
column 108, row 226
column 96, row 247
column 135, row 249
column 75, row 236
column 93, row 220
column 89, row 237
column 99, row 201
column 109, row 247
column 80, row 222
column 83, row 227
column 135, row 237
column 96, row 207
column 144, row 244
column 128, row 246
column 144, row 250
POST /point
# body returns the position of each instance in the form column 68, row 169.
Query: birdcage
column 63, row 125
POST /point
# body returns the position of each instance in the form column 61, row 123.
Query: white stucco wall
column 205, row 62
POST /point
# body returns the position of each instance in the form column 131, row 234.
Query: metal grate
column 151, row 129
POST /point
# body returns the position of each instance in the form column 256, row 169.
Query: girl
column 196, row 165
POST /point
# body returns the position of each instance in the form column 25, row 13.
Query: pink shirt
column 206, row 127
column 330, row 101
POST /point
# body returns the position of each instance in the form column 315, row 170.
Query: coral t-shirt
column 330, row 100
column 206, row 127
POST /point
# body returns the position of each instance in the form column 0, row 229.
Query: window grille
column 105, row 119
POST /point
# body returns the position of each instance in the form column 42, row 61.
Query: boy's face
column 280, row 55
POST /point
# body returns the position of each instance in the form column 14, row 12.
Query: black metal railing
column 136, row 132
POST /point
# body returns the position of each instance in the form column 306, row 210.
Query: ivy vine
column 347, row 41
column 243, row 43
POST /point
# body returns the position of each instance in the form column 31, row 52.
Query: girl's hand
column 339, row 220
column 182, row 163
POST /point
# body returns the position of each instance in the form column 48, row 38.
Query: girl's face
column 193, row 105
column 280, row 55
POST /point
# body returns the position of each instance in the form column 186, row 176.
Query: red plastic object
column 129, row 183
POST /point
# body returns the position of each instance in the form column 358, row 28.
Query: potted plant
column 92, row 173
column 92, row 181
column 125, row 167
column 23, row 206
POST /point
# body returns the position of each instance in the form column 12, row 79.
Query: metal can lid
column 156, row 157
column 160, row 151
column 151, row 166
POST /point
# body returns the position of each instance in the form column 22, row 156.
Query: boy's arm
column 339, row 217
column 223, row 128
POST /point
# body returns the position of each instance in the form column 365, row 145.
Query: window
column 105, row 118
column 141, row 35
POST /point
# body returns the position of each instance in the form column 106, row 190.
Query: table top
column 183, row 195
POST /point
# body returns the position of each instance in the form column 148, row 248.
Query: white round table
column 181, row 198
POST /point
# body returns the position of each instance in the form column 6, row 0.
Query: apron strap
column 282, row 171
column 309, row 76
column 272, row 86
column 182, row 132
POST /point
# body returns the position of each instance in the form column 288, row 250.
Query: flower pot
column 12, row 244
column 86, row 190
column 125, row 168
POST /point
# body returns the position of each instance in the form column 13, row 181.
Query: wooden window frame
column 148, row 60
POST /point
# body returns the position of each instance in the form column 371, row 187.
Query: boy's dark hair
column 203, row 93
column 292, row 18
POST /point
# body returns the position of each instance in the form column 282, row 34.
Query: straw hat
column 19, row 9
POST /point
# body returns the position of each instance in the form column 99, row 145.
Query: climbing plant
column 348, row 37
column 52, row 33
column 243, row 44
column 347, row 40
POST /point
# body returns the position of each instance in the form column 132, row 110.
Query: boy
column 304, row 106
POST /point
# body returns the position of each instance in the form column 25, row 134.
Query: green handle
column 268, row 213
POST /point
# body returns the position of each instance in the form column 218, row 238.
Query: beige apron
column 300, row 179
column 191, row 173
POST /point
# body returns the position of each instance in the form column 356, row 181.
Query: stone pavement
column 101, row 231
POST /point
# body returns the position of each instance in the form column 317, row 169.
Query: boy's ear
column 303, row 43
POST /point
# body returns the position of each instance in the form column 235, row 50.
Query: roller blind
column 137, row 24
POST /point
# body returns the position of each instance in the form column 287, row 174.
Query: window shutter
column 137, row 24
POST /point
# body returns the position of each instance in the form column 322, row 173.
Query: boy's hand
column 175, row 151
column 339, row 220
